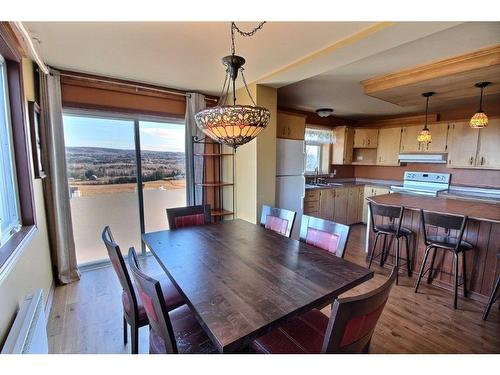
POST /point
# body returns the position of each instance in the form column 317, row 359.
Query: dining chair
column 278, row 220
column 133, row 307
column 348, row 330
column 171, row 331
column 393, row 229
column 326, row 235
column 189, row 216
column 446, row 242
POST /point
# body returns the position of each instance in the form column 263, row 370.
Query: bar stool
column 393, row 230
column 455, row 245
column 493, row 297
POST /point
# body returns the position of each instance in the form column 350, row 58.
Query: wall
column 32, row 268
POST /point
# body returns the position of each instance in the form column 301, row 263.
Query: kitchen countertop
column 482, row 211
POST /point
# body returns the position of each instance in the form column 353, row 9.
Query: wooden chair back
column 181, row 217
column 446, row 221
column 151, row 294
column 390, row 212
column 327, row 235
column 353, row 320
column 278, row 220
column 118, row 263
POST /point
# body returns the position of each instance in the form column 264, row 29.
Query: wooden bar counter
column 483, row 232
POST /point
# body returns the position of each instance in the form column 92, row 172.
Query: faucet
column 316, row 172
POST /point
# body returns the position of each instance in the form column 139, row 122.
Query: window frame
column 12, row 53
column 319, row 155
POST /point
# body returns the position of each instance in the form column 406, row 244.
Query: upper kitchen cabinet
column 290, row 126
column 409, row 143
column 343, row 144
column 488, row 154
column 462, row 145
column 389, row 140
column 365, row 138
column 439, row 131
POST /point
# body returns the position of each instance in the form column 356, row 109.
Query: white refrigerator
column 290, row 181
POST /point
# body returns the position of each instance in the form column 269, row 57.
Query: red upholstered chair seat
column 189, row 336
column 324, row 240
column 189, row 220
column 276, row 224
column 172, row 298
column 301, row 335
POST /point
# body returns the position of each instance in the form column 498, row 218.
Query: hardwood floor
column 86, row 315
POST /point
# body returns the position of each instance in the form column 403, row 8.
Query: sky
column 110, row 133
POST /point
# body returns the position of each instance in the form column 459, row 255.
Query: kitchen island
column 482, row 231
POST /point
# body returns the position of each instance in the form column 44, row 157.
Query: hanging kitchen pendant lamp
column 425, row 135
column 233, row 125
column 480, row 120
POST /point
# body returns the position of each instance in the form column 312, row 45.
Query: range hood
column 422, row 158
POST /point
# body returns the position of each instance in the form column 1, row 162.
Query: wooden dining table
column 242, row 280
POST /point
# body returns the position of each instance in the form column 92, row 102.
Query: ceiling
column 341, row 89
column 314, row 64
column 184, row 55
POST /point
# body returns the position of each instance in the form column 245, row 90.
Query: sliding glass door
column 123, row 173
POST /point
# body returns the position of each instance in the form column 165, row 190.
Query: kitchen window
column 9, row 200
column 318, row 143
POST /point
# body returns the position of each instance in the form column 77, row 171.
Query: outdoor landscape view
column 102, row 177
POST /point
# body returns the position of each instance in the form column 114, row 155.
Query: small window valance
column 319, row 136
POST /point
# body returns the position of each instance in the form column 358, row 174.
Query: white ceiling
column 341, row 89
column 314, row 64
column 184, row 55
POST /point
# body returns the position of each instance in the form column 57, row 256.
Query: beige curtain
column 56, row 190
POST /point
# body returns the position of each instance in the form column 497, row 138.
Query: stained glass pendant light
column 425, row 135
column 233, row 125
column 480, row 120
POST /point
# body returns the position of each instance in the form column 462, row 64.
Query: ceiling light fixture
column 324, row 112
column 425, row 135
column 233, row 125
column 480, row 120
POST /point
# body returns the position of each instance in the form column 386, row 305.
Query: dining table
column 242, row 280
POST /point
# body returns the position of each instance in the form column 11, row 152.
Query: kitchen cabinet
column 341, row 200
column 290, row 126
column 327, row 204
column 439, row 132
column 365, row 138
column 462, row 148
column 389, row 140
column 354, row 205
column 409, row 141
column 342, row 148
column 488, row 153
column 370, row 191
column 311, row 202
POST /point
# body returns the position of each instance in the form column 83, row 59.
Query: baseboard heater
column 28, row 334
column 423, row 158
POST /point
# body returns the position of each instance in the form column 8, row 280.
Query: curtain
column 319, row 136
column 194, row 166
column 56, row 190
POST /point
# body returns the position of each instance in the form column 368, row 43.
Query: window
column 313, row 158
column 9, row 202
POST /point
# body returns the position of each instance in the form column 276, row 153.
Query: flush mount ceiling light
column 425, row 135
column 480, row 120
column 233, row 125
column 324, row 112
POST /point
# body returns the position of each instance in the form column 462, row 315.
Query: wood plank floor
column 86, row 316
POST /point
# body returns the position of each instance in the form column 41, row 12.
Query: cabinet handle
column 482, row 160
column 471, row 160
column 368, row 142
column 427, row 146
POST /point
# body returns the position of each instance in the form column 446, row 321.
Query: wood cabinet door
column 488, row 154
column 360, row 136
column 462, row 145
column 372, row 138
column 439, row 132
column 389, row 140
column 342, row 148
column 409, row 141
column 368, row 192
column 341, row 198
column 290, row 126
column 327, row 204
column 354, row 205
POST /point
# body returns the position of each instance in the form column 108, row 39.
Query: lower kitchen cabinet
column 370, row 191
column 341, row 199
column 327, row 204
column 355, row 205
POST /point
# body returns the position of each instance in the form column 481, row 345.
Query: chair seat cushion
column 392, row 229
column 301, row 335
column 448, row 243
column 189, row 335
column 172, row 298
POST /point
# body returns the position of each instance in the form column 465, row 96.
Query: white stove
column 423, row 183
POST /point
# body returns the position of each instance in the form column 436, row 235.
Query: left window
column 9, row 200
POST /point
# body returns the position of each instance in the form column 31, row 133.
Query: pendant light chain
column 426, row 112
column 243, row 33
column 481, row 100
